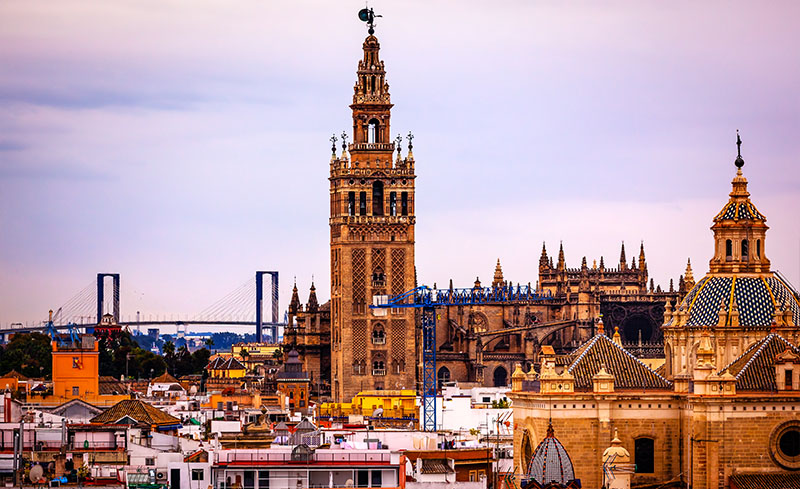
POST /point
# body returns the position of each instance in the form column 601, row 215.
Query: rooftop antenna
column 368, row 15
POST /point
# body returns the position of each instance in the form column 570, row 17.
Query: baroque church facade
column 723, row 411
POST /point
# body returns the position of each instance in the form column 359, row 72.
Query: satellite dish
column 36, row 473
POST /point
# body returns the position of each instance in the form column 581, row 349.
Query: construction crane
column 428, row 299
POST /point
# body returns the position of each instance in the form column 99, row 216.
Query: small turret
column 543, row 258
column 622, row 261
column 294, row 305
column 561, row 263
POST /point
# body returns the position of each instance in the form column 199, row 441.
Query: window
column 643, row 455
column 473, row 476
column 758, row 248
column 263, row 479
column 443, row 376
column 149, row 461
column 404, row 203
column 378, row 335
column 362, row 478
column 373, row 134
column 745, row 249
column 76, row 391
column 362, row 204
column 728, row 250
column 249, row 479
column 392, row 203
column 377, row 199
column 197, row 474
column 789, row 379
column 377, row 478
column 378, row 367
column 351, row 203
column 789, row 444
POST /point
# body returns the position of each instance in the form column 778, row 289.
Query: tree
column 28, row 354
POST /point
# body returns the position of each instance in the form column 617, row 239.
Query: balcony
column 379, row 372
column 378, row 340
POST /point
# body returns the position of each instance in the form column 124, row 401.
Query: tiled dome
column 550, row 462
column 755, row 299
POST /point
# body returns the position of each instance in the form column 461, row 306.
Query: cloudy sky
column 184, row 145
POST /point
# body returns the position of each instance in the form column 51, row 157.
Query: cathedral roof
column 753, row 298
column 754, row 370
column 629, row 371
column 550, row 462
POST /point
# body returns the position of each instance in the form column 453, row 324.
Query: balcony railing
column 378, row 340
column 268, row 457
column 379, row 371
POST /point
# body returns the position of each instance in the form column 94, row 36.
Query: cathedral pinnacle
column 313, row 303
column 561, row 263
column 294, row 305
column 622, row 261
column 498, row 275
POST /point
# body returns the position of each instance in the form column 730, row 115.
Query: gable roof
column 109, row 385
column 14, row 375
column 136, row 410
column 165, row 378
column 223, row 363
column 755, row 368
column 76, row 402
column 629, row 372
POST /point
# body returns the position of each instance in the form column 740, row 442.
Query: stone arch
column 526, row 451
column 442, row 376
column 500, row 376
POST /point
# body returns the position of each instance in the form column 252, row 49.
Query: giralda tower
column 372, row 244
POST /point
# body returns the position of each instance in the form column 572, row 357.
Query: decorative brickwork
column 359, row 339
column 398, row 271
column 359, row 269
column 399, row 340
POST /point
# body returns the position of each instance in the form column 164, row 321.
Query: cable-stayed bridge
column 242, row 307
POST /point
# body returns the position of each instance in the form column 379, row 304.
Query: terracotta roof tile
column 629, row 371
column 137, row 410
column 435, row 466
column 109, row 385
column 165, row 378
column 755, row 368
column 766, row 481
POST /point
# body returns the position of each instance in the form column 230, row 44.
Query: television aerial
column 368, row 15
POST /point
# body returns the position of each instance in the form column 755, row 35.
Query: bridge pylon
column 259, row 302
column 101, row 295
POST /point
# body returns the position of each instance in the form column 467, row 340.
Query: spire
column 671, row 286
column 622, row 260
column 313, row 304
column 602, row 265
column 294, row 305
column 642, row 262
column 543, row 258
column 583, row 263
column 688, row 277
column 561, row 264
column 498, row 275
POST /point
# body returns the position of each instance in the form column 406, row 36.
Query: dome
column 754, row 299
column 550, row 462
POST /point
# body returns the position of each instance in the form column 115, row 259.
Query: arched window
column 443, row 376
column 745, row 249
column 378, row 367
column 527, row 450
column 377, row 198
column 373, row 134
column 378, row 335
column 758, row 248
column 643, row 455
column 728, row 250
column 500, row 377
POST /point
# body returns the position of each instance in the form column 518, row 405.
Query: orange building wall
column 76, row 368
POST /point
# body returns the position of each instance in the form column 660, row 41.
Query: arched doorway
column 500, row 377
column 443, row 376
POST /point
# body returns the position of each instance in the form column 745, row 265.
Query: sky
column 185, row 145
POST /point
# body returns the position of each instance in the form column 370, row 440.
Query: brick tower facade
column 372, row 244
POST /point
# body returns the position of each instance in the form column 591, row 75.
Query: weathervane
column 410, row 141
column 344, row 141
column 333, row 143
column 739, row 160
column 368, row 15
column 398, row 140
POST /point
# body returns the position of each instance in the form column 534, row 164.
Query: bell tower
column 372, row 243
